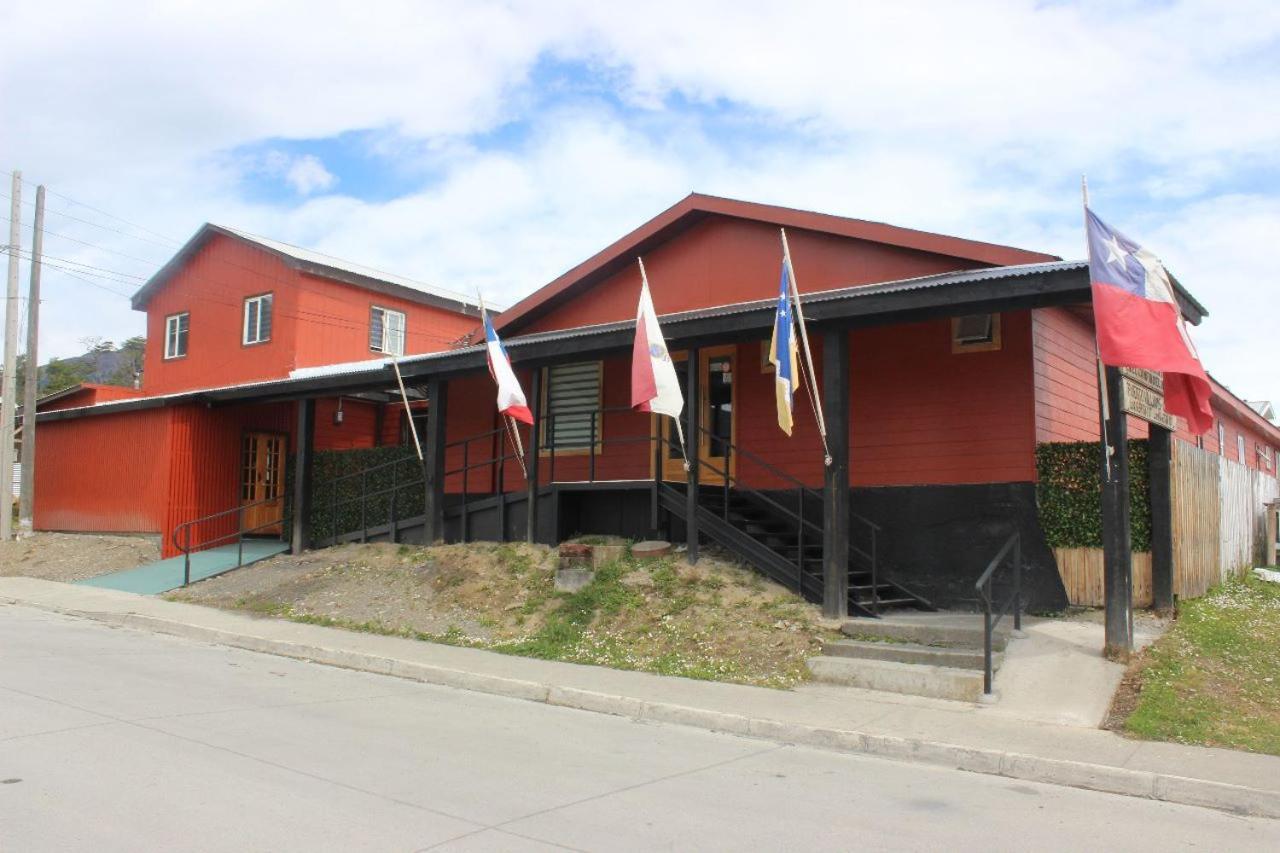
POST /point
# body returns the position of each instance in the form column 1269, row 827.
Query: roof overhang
column 310, row 267
column 951, row 294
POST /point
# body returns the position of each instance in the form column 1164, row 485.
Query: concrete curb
column 1222, row 796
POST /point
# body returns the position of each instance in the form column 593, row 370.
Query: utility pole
column 9, row 388
column 26, row 504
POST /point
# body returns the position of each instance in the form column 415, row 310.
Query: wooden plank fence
column 1219, row 530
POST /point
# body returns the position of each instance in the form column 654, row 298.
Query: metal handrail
column 991, row 616
column 185, row 527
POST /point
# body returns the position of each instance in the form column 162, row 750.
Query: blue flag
column 782, row 353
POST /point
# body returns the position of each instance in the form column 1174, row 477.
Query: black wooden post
column 835, row 488
column 531, row 457
column 433, row 461
column 300, row 526
column 1160, row 478
column 1117, row 549
column 692, row 434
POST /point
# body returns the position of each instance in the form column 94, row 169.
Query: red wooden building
column 228, row 311
column 943, row 363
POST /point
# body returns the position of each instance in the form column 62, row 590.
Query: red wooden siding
column 205, row 452
column 722, row 261
column 336, row 320
column 357, row 430
column 105, row 474
column 212, row 286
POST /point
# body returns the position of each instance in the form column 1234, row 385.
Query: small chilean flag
column 654, row 386
column 1139, row 322
column 511, row 400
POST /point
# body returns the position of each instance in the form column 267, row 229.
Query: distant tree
column 60, row 374
column 129, row 362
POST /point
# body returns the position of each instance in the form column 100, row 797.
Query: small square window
column 177, row 328
column 975, row 333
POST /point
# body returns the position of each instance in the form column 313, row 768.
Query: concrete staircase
column 923, row 654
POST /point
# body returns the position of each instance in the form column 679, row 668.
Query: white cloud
column 974, row 119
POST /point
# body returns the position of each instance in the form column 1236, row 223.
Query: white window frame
column 390, row 335
column 173, row 335
column 257, row 338
column 1240, row 446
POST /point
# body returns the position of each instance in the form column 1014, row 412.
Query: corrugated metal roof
column 311, row 256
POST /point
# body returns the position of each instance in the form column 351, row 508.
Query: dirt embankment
column 74, row 556
column 715, row 620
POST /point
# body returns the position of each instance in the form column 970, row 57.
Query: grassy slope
column 1214, row 679
column 713, row 621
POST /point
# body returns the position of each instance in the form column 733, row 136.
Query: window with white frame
column 570, row 406
column 257, row 319
column 1222, row 439
column 1240, row 448
column 177, row 327
column 386, row 330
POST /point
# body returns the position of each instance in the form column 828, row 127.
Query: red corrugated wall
column 108, row 473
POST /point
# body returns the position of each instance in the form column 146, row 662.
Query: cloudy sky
column 494, row 145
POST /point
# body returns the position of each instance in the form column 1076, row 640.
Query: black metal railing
column 362, row 497
column 991, row 615
column 181, row 536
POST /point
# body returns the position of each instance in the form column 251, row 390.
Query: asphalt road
column 120, row 740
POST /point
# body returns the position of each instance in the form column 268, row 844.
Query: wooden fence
column 1219, row 530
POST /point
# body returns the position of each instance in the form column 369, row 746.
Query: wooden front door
column 717, row 367
column 262, row 482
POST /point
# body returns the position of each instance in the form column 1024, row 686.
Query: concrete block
column 1218, row 795
column 590, row 700
column 572, row 580
column 703, row 718
column 951, row 632
column 603, row 555
column 940, row 682
column 1077, row 774
column 909, row 653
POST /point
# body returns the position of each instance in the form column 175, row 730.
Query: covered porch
column 899, row 517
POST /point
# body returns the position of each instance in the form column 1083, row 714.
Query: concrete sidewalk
column 947, row 734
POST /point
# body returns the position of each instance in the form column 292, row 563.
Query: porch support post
column 433, row 461
column 531, row 459
column 692, row 412
column 1117, row 551
column 300, row 524
column 1159, row 476
column 835, row 489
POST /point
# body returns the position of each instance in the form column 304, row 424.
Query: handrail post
column 186, row 554
column 364, row 506
column 875, row 574
column 986, row 641
column 728, row 449
column 240, row 536
column 395, row 494
column 333, row 512
column 657, row 476
column 551, row 447
column 501, row 462
column 591, row 475
column 1017, row 582
column 466, row 489
column 800, row 542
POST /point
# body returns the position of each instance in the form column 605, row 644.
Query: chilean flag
column 511, row 400
column 654, row 385
column 1139, row 322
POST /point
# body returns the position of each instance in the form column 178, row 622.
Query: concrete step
column 939, row 682
column 927, row 629
column 911, row 653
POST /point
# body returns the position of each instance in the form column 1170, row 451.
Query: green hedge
column 335, row 508
column 1069, row 494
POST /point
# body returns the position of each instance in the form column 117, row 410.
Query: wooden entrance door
column 717, row 366
column 262, row 481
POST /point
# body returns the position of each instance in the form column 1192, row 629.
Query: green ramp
column 162, row 576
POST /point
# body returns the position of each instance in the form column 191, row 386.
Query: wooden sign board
column 1151, row 379
column 1143, row 402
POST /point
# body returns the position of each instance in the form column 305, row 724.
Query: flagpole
column 1104, row 408
column 684, row 453
column 408, row 412
column 513, row 433
column 814, row 400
